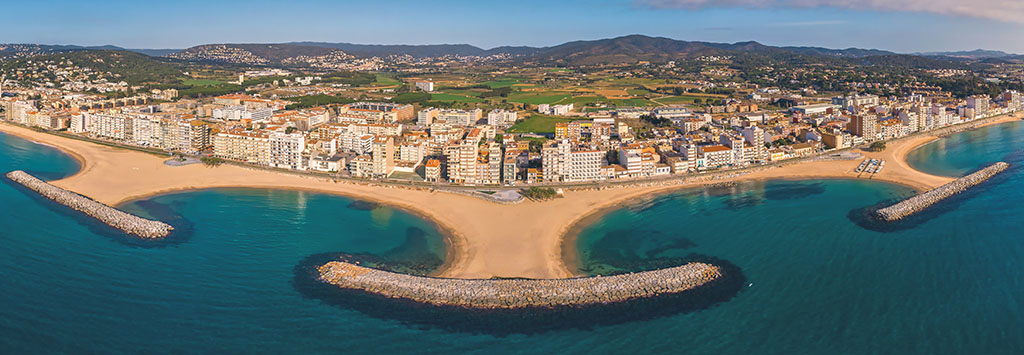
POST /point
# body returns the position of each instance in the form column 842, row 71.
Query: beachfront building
column 361, row 166
column 755, row 137
column 111, row 126
column 286, row 150
column 383, row 155
column 980, row 104
column 432, row 170
column 245, row 146
column 146, row 132
column 510, row 166
column 865, row 126
column 716, row 156
column 461, row 157
column 555, row 160
column 585, row 165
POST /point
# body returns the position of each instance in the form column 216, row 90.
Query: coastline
column 486, row 239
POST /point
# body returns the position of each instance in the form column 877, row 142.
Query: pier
column 519, row 293
column 129, row 223
column 924, row 200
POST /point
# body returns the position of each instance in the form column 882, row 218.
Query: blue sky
column 910, row 26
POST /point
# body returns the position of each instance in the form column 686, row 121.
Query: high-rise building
column 383, row 154
column 865, row 126
column 755, row 136
column 241, row 145
column 286, row 150
column 980, row 104
column 555, row 160
column 112, row 126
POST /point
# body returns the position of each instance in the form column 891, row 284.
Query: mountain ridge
column 617, row 50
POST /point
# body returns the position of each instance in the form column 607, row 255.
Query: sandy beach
column 487, row 239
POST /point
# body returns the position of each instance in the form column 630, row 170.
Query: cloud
column 1001, row 10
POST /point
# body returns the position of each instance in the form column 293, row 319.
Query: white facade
column 502, row 118
column 286, row 150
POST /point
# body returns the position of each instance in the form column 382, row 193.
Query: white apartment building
column 237, row 113
column 112, row 126
column 501, row 118
column 557, row 110
column 427, row 116
column 461, row 117
column 245, row 146
column 585, row 165
column 286, row 150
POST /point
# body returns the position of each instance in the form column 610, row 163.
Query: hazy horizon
column 907, row 27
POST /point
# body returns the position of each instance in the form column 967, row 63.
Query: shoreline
column 485, row 239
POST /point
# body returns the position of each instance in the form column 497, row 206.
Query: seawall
column 924, row 200
column 113, row 217
column 519, row 293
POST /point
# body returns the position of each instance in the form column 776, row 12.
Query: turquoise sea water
column 823, row 279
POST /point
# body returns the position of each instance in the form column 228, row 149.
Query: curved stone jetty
column 519, row 293
column 113, row 217
column 922, row 201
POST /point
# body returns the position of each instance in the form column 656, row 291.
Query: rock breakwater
column 519, row 293
column 113, row 217
column 924, row 200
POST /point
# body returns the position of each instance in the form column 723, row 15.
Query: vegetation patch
column 540, row 193
column 538, row 124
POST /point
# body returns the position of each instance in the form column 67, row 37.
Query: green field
column 454, row 98
column 502, row 83
column 384, row 80
column 462, row 92
column 534, row 99
column 537, row 124
column 201, row 82
column 585, row 100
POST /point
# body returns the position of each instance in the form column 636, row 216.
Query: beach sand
column 487, row 239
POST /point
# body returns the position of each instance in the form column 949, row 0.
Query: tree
column 211, row 162
column 877, row 146
column 697, row 101
column 540, row 193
